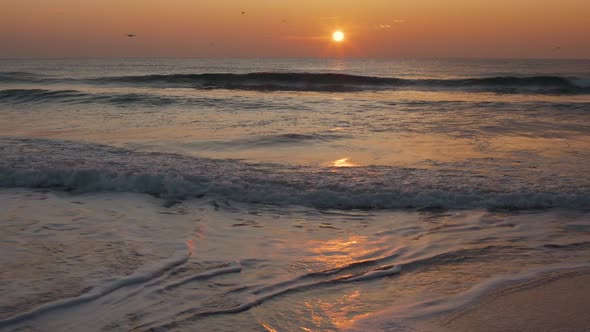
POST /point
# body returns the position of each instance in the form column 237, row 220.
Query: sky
column 295, row 28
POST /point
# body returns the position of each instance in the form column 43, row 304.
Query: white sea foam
column 181, row 187
column 83, row 167
column 137, row 278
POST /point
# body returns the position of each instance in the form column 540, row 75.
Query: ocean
column 284, row 194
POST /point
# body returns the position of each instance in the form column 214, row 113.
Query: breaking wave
column 326, row 82
column 83, row 167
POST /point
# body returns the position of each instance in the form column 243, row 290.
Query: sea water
column 283, row 194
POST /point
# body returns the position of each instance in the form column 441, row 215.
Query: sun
column 338, row 36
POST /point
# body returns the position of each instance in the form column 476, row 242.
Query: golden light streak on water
column 344, row 162
column 191, row 243
column 267, row 327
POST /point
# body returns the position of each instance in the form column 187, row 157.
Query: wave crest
column 325, row 82
column 82, row 167
column 330, row 82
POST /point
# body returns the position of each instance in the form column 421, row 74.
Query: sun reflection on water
column 340, row 313
column 268, row 328
column 339, row 252
column 191, row 243
column 344, row 162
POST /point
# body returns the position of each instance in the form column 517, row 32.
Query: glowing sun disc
column 338, row 36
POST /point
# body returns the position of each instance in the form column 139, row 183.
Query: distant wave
column 272, row 140
column 343, row 83
column 82, row 167
column 77, row 97
column 18, row 96
column 33, row 95
column 20, row 77
column 326, row 82
column 146, row 100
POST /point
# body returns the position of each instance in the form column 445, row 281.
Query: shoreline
column 557, row 301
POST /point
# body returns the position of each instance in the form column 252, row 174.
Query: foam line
column 233, row 268
column 95, row 293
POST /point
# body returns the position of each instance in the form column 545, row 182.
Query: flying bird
column 130, row 35
column 243, row 12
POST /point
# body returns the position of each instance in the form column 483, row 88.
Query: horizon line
column 283, row 57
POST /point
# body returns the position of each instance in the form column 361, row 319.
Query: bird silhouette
column 130, row 35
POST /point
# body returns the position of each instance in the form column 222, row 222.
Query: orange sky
column 217, row 28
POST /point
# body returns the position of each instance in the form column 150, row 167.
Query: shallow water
column 170, row 195
column 125, row 262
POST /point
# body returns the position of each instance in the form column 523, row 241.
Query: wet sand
column 552, row 303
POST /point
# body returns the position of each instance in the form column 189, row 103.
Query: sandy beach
column 556, row 302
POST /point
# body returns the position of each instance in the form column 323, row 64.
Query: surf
column 322, row 82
